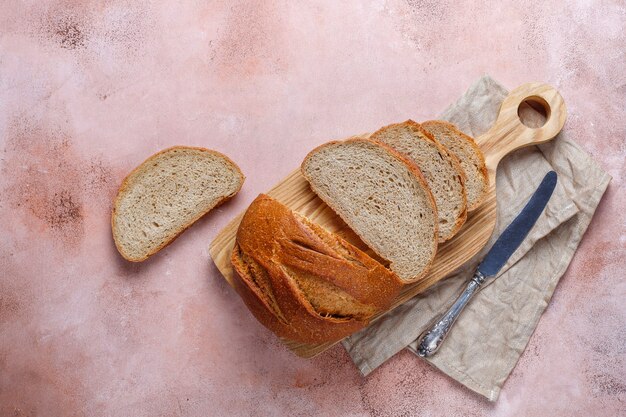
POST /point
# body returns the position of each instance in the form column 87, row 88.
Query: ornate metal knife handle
column 432, row 339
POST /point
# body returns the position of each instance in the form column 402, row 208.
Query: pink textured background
column 89, row 89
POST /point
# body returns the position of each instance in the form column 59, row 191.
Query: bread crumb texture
column 166, row 194
column 380, row 198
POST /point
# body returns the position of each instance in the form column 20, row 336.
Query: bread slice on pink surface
column 166, row 194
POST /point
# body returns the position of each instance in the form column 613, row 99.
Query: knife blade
column 506, row 244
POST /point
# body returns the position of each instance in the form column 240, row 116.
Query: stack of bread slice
column 469, row 156
column 403, row 190
column 376, row 199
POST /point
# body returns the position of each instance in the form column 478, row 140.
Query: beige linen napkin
column 491, row 334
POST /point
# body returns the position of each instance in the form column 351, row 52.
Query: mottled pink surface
column 89, row 89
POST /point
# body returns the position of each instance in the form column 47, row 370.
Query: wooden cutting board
column 507, row 134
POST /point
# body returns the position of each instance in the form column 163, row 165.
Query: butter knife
column 497, row 256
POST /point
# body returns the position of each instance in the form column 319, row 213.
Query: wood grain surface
column 507, row 134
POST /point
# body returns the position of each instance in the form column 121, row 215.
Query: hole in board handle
column 533, row 112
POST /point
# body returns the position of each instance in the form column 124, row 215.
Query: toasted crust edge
column 412, row 168
column 126, row 183
column 483, row 166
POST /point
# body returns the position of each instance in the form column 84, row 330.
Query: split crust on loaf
column 166, row 194
column 303, row 282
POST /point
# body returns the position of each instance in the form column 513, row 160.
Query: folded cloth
column 489, row 337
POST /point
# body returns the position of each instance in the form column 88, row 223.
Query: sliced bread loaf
column 470, row 156
column 382, row 196
column 442, row 171
column 166, row 194
column 303, row 282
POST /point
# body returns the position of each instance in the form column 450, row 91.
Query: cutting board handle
column 508, row 133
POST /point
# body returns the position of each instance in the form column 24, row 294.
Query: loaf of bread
column 382, row 197
column 441, row 170
column 470, row 156
column 166, row 194
column 302, row 282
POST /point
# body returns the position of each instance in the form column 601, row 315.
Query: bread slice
column 470, row 156
column 166, row 194
column 303, row 282
column 382, row 197
column 442, row 171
